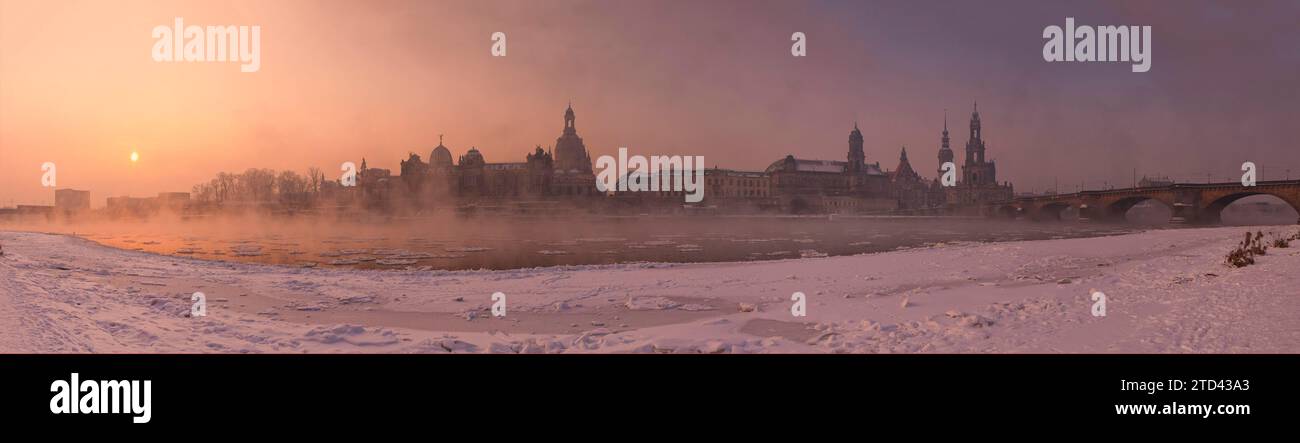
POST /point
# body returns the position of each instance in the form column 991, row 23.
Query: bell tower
column 977, row 171
column 857, row 158
column 975, row 145
column 945, row 152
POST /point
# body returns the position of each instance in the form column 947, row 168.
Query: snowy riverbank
column 1167, row 291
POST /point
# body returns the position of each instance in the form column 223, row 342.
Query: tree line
column 261, row 186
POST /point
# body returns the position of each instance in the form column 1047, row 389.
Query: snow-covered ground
column 1166, row 291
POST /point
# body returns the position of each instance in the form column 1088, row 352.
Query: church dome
column 441, row 156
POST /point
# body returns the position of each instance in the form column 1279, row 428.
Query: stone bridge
column 1193, row 203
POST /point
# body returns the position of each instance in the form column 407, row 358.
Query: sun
column 135, row 156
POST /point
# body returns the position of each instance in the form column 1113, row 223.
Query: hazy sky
column 342, row 80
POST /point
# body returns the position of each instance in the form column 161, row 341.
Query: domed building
column 573, row 174
column 472, row 176
column 571, row 155
column 440, row 158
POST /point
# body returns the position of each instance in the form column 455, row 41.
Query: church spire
column 945, row 130
column 945, row 152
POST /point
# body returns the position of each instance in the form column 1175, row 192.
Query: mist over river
column 454, row 243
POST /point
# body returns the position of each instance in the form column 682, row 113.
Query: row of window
column 737, row 187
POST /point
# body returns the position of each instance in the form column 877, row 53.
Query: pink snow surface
column 1166, row 291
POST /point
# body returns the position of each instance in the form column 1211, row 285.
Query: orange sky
column 340, row 80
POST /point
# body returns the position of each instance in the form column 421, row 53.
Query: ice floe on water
column 343, row 252
column 246, row 250
column 811, row 253
column 607, row 243
column 758, row 240
column 601, row 239
column 402, row 254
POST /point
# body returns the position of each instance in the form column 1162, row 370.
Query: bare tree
column 291, row 187
column 225, row 186
column 314, row 178
column 257, row 185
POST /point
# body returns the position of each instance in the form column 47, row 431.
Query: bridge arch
column 1118, row 209
column 1008, row 211
column 1052, row 210
column 1213, row 212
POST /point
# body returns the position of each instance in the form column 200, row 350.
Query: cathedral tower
column 857, row 158
column 977, row 171
column 945, row 152
column 975, row 143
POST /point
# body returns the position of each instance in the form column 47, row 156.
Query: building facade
column 71, row 201
column 564, row 171
column 787, row 185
